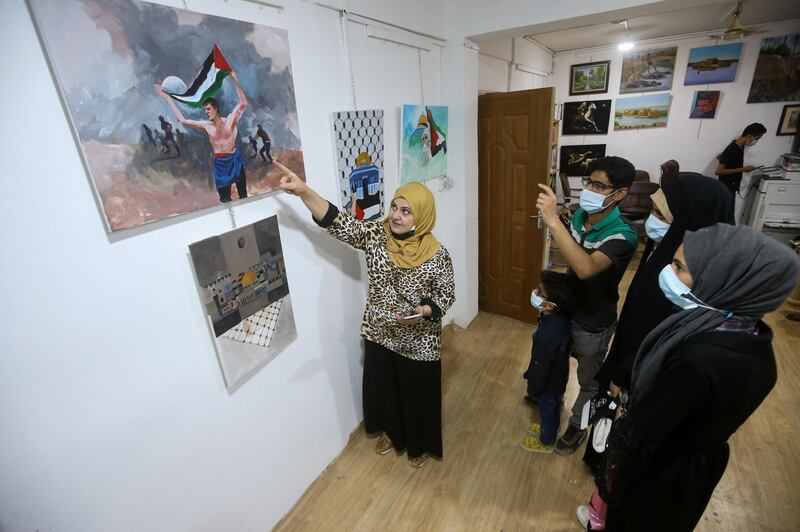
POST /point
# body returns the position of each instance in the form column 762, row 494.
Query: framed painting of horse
column 589, row 78
column 586, row 118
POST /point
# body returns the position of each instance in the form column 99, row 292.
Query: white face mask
column 592, row 202
column 681, row 295
column 655, row 228
column 751, row 143
column 538, row 302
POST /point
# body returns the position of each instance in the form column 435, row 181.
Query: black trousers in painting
column 403, row 397
column 241, row 188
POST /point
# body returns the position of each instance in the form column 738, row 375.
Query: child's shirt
column 549, row 367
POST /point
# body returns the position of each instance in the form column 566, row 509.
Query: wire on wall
column 348, row 66
column 421, row 78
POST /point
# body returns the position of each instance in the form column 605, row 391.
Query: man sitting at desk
column 731, row 160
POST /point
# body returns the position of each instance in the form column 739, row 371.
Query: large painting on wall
column 358, row 145
column 242, row 280
column 586, row 118
column 713, row 64
column 173, row 111
column 640, row 112
column 423, row 143
column 777, row 76
column 647, row 71
column 575, row 160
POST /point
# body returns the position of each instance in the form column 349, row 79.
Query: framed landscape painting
column 789, row 120
column 642, row 112
column 648, row 70
column 777, row 76
column 713, row 64
column 589, row 78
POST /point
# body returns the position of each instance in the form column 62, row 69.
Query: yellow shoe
column 418, row 461
column 533, row 445
column 384, row 444
column 535, row 429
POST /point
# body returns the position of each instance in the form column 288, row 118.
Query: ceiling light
column 625, row 46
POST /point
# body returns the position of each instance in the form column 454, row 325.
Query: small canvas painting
column 777, row 76
column 173, row 111
column 648, row 71
column 704, row 104
column 242, row 280
column 713, row 64
column 358, row 145
column 423, row 138
column 586, row 118
column 640, row 112
column 575, row 160
column 589, row 78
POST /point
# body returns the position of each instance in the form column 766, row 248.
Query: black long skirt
column 403, row 397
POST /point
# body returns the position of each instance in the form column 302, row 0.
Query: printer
column 773, row 200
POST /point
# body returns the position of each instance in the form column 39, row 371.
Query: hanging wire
column 348, row 58
column 421, row 79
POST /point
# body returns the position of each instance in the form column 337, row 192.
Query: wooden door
column 514, row 149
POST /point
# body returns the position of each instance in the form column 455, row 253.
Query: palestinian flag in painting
column 438, row 142
column 208, row 81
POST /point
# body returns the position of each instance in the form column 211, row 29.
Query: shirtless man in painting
column 222, row 132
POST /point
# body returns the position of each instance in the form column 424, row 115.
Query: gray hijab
column 737, row 270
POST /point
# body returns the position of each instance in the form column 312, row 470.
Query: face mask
column 655, row 228
column 751, row 143
column 680, row 294
column 538, row 302
column 592, row 202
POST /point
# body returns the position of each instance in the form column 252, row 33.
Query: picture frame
column 790, row 116
column 589, row 78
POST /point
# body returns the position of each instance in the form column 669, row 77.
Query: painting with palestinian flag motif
column 423, row 138
column 173, row 111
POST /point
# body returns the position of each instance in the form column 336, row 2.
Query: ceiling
column 685, row 19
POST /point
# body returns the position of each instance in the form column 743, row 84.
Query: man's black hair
column 754, row 129
column 213, row 102
column 561, row 289
column 620, row 171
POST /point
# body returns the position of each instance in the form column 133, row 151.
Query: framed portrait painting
column 589, row 78
column 789, row 119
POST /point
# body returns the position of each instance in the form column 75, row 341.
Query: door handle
column 538, row 220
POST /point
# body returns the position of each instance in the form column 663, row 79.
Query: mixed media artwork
column 586, row 118
column 790, row 116
column 647, row 71
column 639, row 112
column 713, row 64
column 173, row 111
column 704, row 104
column 242, row 280
column 777, row 76
column 589, row 78
column 575, row 160
column 358, row 145
column 423, row 142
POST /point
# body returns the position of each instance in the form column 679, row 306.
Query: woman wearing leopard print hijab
column 410, row 288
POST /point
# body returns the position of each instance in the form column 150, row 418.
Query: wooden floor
column 486, row 482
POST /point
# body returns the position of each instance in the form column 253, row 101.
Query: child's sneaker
column 535, row 429
column 533, row 445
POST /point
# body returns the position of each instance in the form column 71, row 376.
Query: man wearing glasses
column 597, row 247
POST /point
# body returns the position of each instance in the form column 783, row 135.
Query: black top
column 696, row 201
column 549, row 367
column 732, row 157
column 667, row 453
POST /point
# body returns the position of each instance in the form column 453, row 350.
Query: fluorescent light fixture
column 625, row 46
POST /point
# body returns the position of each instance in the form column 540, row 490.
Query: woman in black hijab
column 697, row 377
column 695, row 201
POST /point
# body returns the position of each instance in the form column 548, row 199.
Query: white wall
column 694, row 143
column 113, row 411
column 511, row 65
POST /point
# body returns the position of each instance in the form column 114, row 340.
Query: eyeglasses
column 596, row 185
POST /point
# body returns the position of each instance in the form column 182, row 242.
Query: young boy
column 556, row 298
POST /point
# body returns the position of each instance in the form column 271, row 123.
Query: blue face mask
column 655, row 228
column 592, row 202
column 538, row 302
column 681, row 295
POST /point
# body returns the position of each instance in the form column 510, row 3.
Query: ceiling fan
column 735, row 30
